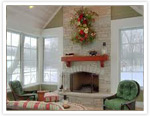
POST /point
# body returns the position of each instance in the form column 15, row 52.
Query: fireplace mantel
column 69, row 59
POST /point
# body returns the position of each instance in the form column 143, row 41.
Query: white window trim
column 140, row 27
column 116, row 25
column 22, row 35
column 53, row 32
column 43, row 62
column 23, row 60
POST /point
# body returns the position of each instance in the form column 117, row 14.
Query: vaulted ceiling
column 34, row 19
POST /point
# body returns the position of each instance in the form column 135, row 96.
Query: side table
column 41, row 95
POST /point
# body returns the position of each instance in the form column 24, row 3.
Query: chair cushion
column 127, row 90
column 33, row 105
column 115, row 104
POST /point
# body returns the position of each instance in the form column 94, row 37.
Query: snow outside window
column 13, row 57
column 30, row 60
column 51, row 60
column 132, row 55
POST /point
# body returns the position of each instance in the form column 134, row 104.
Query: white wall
column 116, row 25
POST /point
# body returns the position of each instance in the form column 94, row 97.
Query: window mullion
column 22, row 58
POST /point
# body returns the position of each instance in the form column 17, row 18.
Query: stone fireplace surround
column 102, row 27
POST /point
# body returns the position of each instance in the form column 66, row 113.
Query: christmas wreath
column 82, row 23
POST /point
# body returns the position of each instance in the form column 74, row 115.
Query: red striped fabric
column 36, row 105
column 48, row 106
column 25, row 104
column 16, row 103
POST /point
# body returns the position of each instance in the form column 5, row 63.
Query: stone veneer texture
column 102, row 26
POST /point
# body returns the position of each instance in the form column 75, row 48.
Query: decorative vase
column 104, row 49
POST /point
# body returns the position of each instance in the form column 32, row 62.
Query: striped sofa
column 33, row 105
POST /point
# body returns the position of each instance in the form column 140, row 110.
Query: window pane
column 126, row 76
column 15, row 39
column 30, row 60
column 15, row 53
column 54, row 76
column 33, row 77
column 9, row 53
column 51, row 60
column 8, row 38
column 33, row 55
column 17, row 69
column 33, row 66
column 13, row 56
column 132, row 55
column 26, row 78
column 27, row 66
column 15, row 77
column 126, row 51
column 26, row 54
column 138, row 76
column 47, row 75
column 33, row 42
column 9, row 67
column 27, row 42
column 126, row 65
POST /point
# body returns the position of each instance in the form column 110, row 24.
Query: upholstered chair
column 125, row 98
column 19, row 93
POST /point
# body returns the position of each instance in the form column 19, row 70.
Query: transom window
column 132, row 54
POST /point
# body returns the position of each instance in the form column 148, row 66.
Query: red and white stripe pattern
column 33, row 105
column 51, row 97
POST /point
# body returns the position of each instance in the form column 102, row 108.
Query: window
column 21, row 60
column 132, row 54
column 13, row 57
column 30, row 60
column 51, row 60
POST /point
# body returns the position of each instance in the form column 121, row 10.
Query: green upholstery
column 115, row 104
column 127, row 90
column 17, row 88
column 19, row 93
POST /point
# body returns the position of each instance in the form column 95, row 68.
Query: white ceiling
column 138, row 8
column 20, row 17
column 29, row 20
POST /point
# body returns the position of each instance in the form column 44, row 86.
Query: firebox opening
column 84, row 82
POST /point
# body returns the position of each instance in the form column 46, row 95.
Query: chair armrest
column 110, row 97
column 34, row 91
column 127, row 104
column 26, row 96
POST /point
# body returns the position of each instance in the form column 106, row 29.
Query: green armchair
column 19, row 93
column 125, row 98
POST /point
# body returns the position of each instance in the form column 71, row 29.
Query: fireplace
column 84, row 82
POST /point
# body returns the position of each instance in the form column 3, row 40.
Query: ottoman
column 51, row 97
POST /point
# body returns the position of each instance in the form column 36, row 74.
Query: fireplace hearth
column 84, row 82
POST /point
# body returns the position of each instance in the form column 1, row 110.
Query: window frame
column 22, row 38
column 31, row 36
column 15, row 32
column 120, row 44
column 47, row 83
